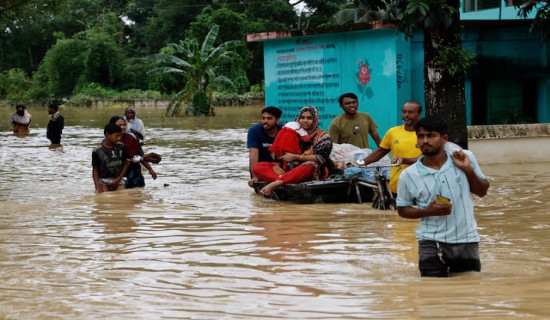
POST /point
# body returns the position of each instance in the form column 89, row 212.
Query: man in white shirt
column 134, row 125
column 20, row 119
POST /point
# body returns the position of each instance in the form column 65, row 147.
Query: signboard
column 315, row 70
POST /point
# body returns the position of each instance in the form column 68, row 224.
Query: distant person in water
column 20, row 119
column 110, row 161
column 55, row 125
column 134, row 177
column 134, row 125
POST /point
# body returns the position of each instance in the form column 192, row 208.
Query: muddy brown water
column 198, row 243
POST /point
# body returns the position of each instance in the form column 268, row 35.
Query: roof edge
column 371, row 25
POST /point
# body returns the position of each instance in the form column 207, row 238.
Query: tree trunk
column 444, row 93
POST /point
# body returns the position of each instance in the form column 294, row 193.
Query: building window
column 476, row 5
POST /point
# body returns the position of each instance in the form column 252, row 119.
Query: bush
column 62, row 67
column 79, row 100
column 97, row 91
column 14, row 85
column 141, row 94
column 94, row 91
column 230, row 99
column 258, row 88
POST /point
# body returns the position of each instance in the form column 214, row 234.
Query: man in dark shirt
column 260, row 137
column 56, row 124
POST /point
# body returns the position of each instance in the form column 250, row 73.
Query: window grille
column 476, row 5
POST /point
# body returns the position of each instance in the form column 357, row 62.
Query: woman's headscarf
column 314, row 131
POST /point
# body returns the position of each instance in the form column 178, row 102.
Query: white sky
column 300, row 7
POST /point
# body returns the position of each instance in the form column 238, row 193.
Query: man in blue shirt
column 261, row 137
column 437, row 190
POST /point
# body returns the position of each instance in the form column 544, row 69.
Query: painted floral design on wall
column 364, row 77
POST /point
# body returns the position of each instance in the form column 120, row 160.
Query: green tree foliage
column 265, row 16
column 350, row 15
column 319, row 13
column 29, row 27
column 14, row 85
column 198, row 65
column 73, row 63
column 102, row 63
column 168, row 21
column 24, row 32
column 138, row 14
column 445, row 62
column 541, row 22
column 61, row 68
column 232, row 25
column 66, row 45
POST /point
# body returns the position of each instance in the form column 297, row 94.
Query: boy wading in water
column 110, row 161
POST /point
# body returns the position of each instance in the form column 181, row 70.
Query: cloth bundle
column 152, row 157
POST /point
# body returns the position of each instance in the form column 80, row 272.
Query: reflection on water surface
column 197, row 243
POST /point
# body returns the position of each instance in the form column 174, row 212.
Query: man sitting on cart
column 260, row 138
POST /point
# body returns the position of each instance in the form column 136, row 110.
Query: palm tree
column 198, row 67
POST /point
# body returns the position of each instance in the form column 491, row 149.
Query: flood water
column 197, row 243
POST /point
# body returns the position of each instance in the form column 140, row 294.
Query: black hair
column 20, row 106
column 347, row 95
column 416, row 103
column 276, row 112
column 114, row 119
column 130, row 110
column 432, row 124
column 53, row 106
column 111, row 128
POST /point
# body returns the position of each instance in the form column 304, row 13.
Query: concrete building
column 509, row 84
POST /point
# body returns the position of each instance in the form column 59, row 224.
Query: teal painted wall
column 509, row 84
column 511, row 66
column 543, row 101
column 509, row 59
column 514, row 46
column 504, row 12
column 316, row 70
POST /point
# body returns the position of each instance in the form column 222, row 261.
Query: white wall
column 511, row 150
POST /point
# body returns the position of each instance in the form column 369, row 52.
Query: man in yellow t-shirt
column 401, row 141
column 353, row 127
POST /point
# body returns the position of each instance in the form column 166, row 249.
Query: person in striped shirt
column 437, row 190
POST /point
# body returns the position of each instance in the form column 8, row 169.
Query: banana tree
column 198, row 67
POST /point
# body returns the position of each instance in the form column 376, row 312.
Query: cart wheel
column 274, row 196
column 377, row 203
column 389, row 204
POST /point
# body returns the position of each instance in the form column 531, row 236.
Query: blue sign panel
column 315, row 70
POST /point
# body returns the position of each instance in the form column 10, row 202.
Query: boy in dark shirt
column 110, row 161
